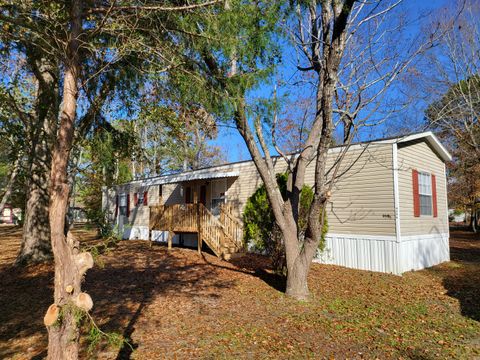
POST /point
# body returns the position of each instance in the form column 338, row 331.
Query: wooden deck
column 224, row 235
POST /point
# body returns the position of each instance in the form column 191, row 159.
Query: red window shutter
column 128, row 205
column 116, row 205
column 416, row 196
column 434, row 196
column 145, row 198
column 135, row 199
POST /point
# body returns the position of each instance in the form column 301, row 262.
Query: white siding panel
column 422, row 251
column 374, row 253
column 135, row 233
column 384, row 253
column 162, row 237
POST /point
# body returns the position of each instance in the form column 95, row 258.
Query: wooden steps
column 223, row 235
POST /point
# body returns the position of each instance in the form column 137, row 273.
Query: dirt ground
column 181, row 305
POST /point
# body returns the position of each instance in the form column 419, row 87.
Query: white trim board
column 406, row 238
column 386, row 237
column 396, row 202
column 363, row 237
column 446, row 195
column 396, row 193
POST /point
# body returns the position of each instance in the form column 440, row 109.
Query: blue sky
column 416, row 11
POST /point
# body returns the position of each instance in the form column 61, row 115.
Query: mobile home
column 387, row 212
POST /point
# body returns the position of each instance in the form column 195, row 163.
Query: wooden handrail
column 232, row 226
column 218, row 234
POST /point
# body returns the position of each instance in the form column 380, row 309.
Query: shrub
column 260, row 230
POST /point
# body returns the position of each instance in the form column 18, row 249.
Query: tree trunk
column 36, row 246
column 11, row 181
column 297, row 286
column 474, row 220
column 63, row 339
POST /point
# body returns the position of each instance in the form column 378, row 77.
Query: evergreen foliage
column 261, row 233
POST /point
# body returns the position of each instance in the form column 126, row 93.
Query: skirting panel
column 384, row 253
column 141, row 233
column 422, row 251
column 135, row 233
column 374, row 253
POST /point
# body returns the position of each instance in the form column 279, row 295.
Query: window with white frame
column 425, row 193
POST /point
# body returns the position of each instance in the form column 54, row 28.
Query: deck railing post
column 150, row 224
column 170, row 232
column 170, row 236
column 199, row 229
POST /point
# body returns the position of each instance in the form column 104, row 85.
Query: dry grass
column 182, row 305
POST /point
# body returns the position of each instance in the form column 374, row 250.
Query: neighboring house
column 10, row 215
column 77, row 215
column 388, row 209
column 456, row 217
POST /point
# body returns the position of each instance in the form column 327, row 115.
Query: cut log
column 52, row 315
column 84, row 261
column 84, row 301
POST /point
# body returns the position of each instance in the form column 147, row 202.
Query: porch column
column 170, row 237
column 170, row 227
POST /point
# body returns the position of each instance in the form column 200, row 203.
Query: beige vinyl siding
column 171, row 194
column 420, row 156
column 140, row 214
column 362, row 199
column 241, row 188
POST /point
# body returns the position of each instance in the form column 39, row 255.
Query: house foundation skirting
column 365, row 252
column 384, row 253
column 422, row 251
column 135, row 232
column 138, row 232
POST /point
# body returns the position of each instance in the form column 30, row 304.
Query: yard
column 182, row 305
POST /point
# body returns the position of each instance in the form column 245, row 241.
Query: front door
column 188, row 195
column 219, row 188
column 203, row 195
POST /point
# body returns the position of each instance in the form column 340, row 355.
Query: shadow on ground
column 188, row 304
column 134, row 274
column 461, row 277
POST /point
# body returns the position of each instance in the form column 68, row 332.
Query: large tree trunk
column 297, row 267
column 325, row 55
column 297, row 286
column 36, row 246
column 63, row 339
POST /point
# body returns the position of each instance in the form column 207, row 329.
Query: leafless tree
column 452, row 78
column 348, row 50
column 450, row 83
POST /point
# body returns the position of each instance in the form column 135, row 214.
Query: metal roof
column 215, row 172
column 192, row 175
